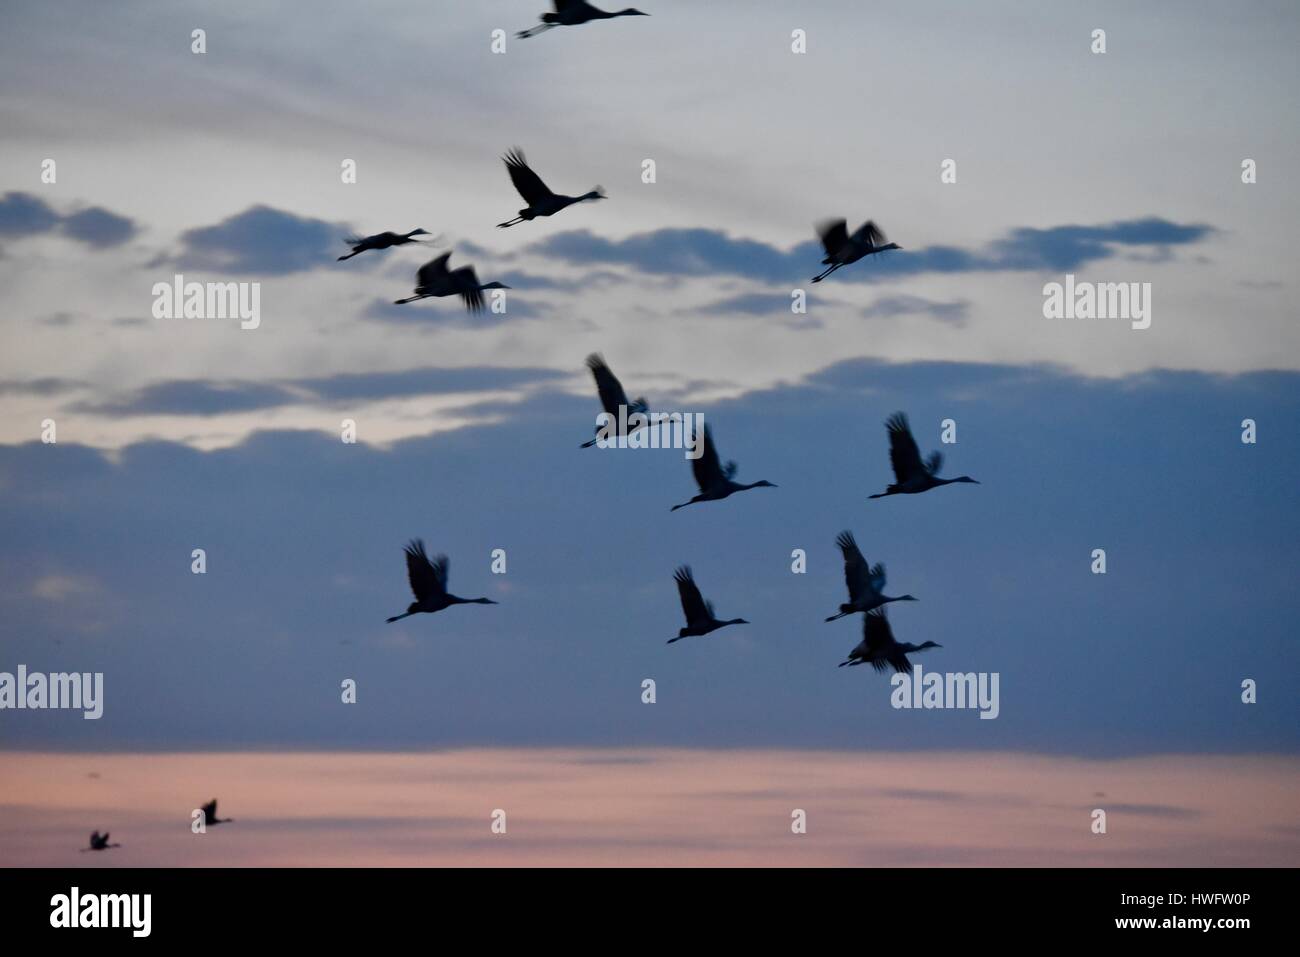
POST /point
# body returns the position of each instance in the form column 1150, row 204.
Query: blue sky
column 303, row 537
column 177, row 434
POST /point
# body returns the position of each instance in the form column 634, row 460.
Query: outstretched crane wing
column 468, row 288
column 607, row 385
column 870, row 233
column 529, row 184
column 857, row 573
column 707, row 470
column 834, row 233
column 904, row 456
column 880, row 642
column 432, row 271
column 692, row 602
column 428, row 579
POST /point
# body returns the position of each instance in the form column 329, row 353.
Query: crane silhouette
column 436, row 280
column 429, row 584
column 572, row 13
column 360, row 244
column 864, row 581
column 99, row 842
column 210, row 815
column 879, row 647
column 541, row 201
column 714, row 481
column 842, row 249
column 911, row 475
column 612, row 398
column 700, row 617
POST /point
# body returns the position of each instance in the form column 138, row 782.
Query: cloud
column 891, row 306
column 47, row 386
column 193, row 397
column 98, row 227
column 750, row 304
column 450, row 310
column 22, row 214
column 524, row 280
column 262, row 241
column 677, row 252
column 60, row 587
column 205, row 397
column 774, row 305
column 1069, row 247
column 1153, row 810
column 709, row 252
column 778, row 304
column 427, row 381
column 922, row 794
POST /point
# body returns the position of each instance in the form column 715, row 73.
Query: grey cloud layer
column 23, row 214
column 262, row 241
column 267, row 241
column 208, row 397
column 709, row 252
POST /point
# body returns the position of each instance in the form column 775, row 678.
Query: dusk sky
column 177, row 434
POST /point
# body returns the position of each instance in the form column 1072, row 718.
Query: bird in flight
column 842, row 249
column 541, row 201
column 210, row 815
column 99, row 842
column 612, row 398
column 714, row 481
column 700, row 617
column 360, row 244
column 864, row 581
column 879, row 647
column 911, row 475
column 435, row 279
column 429, row 584
column 571, row 13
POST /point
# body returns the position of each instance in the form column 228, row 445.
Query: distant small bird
column 210, row 815
column 541, row 201
column 879, row 647
column 911, row 475
column 571, row 13
column 612, row 397
column 714, row 481
column 360, row 244
column 99, row 842
column 429, row 583
column 435, row 279
column 842, row 249
column 864, row 581
column 700, row 617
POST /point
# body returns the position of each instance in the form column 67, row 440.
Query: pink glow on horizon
column 649, row 807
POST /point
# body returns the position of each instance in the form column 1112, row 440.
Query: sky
column 649, row 807
column 176, row 434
